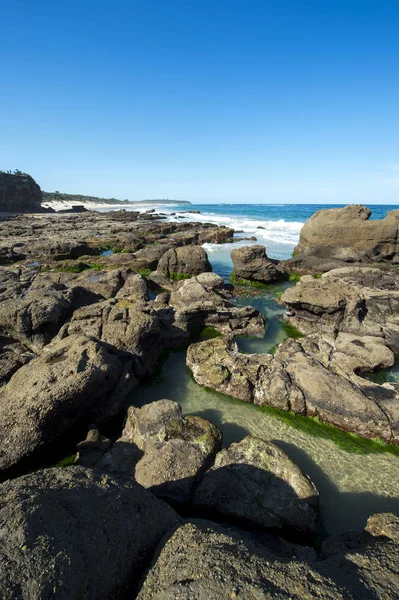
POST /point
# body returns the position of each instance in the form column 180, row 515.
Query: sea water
column 352, row 486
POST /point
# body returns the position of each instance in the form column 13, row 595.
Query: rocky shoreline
column 89, row 304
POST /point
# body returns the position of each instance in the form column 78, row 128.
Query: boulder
column 184, row 260
column 253, row 481
column 76, row 380
column 175, row 449
column 252, row 263
column 202, row 560
column 73, row 533
column 347, row 234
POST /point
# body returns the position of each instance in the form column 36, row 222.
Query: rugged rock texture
column 19, row 194
column 75, row 380
column 348, row 234
column 255, row 482
column 175, row 450
column 72, row 533
column 204, row 301
column 203, row 561
column 252, row 263
column 361, row 301
column 130, row 326
column 50, row 239
column 315, row 376
column 34, row 306
column 186, row 260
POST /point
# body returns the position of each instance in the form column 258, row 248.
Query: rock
column 202, row 560
column 252, row 263
column 254, row 481
column 176, row 449
column 203, row 301
column 129, row 325
column 309, row 376
column 19, row 193
column 361, row 301
column 34, row 307
column 93, row 448
column 191, row 261
column 347, row 234
column 73, row 533
column 76, row 380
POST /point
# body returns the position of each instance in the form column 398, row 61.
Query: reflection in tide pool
column 351, row 486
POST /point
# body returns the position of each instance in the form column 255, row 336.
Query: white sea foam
column 280, row 231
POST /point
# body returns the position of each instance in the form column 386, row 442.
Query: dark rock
column 19, row 193
column 252, row 263
column 254, row 481
column 93, row 448
column 77, row 208
column 72, row 533
column 76, row 380
column 202, row 560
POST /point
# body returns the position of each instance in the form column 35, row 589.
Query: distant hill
column 79, row 199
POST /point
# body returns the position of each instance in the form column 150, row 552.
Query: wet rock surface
column 308, row 376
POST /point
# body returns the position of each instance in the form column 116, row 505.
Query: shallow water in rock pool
column 352, row 486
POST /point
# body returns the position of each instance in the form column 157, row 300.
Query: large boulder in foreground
column 347, row 234
column 72, row 533
column 184, row 261
column 202, row 560
column 255, row 482
column 75, row 380
column 252, row 263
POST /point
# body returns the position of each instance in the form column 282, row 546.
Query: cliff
column 19, row 193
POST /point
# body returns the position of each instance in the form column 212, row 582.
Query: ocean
column 276, row 226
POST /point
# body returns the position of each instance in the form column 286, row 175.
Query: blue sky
column 205, row 100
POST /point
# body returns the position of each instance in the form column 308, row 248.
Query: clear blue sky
column 203, row 100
